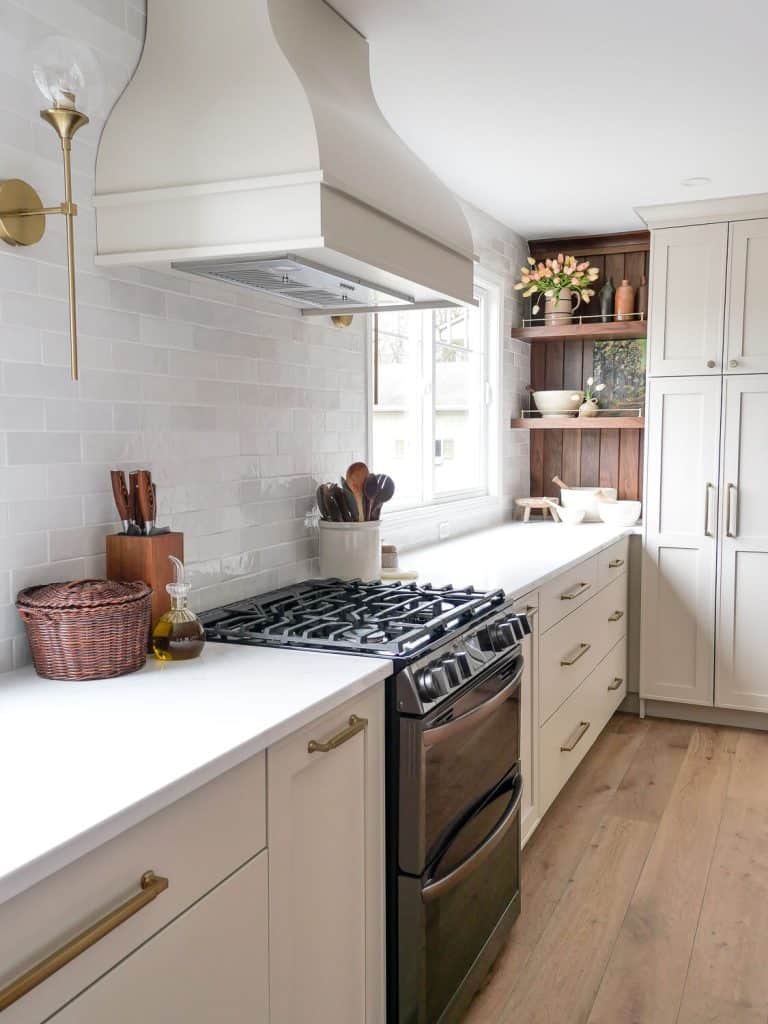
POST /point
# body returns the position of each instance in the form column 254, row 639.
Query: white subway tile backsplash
column 39, row 447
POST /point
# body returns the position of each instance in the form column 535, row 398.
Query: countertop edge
column 562, row 567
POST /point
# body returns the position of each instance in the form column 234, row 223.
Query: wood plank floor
column 645, row 888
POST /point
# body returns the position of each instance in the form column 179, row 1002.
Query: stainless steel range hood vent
column 250, row 130
column 296, row 281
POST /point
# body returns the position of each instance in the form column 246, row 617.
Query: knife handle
column 134, row 500
column 120, row 494
column 146, row 497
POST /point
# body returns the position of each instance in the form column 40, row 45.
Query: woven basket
column 88, row 629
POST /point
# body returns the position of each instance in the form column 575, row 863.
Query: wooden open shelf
column 624, row 330
column 581, row 423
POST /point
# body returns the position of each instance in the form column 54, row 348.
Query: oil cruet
column 178, row 635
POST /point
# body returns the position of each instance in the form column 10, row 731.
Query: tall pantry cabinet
column 705, row 567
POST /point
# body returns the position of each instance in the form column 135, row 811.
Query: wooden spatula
column 355, row 477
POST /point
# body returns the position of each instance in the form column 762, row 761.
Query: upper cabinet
column 688, row 280
column 747, row 323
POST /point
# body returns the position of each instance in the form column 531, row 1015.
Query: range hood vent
column 250, row 131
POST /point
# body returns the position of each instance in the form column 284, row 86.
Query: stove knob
column 425, row 685
column 507, row 634
column 452, row 670
column 485, row 639
column 465, row 665
column 440, row 680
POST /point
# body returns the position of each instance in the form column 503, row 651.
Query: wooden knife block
column 145, row 558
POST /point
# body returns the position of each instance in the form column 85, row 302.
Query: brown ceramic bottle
column 642, row 297
column 625, row 301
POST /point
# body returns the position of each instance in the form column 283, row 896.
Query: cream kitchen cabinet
column 326, row 845
column 687, row 308
column 747, row 321
column 529, row 718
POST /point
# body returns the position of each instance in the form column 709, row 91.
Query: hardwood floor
column 645, row 888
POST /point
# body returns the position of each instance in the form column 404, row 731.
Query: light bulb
column 67, row 74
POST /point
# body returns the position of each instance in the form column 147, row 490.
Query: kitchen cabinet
column 326, row 846
column 209, row 964
column 742, row 637
column 681, row 526
column 687, row 308
column 747, row 322
column 529, row 718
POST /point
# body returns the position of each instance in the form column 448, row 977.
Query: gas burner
column 370, row 618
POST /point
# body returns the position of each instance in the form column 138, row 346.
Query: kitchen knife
column 122, row 498
column 146, row 498
column 133, row 495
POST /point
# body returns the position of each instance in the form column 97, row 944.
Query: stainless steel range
column 453, row 765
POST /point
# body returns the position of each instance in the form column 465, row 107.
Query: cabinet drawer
column 194, row 843
column 571, row 649
column 210, row 964
column 575, row 726
column 612, row 562
column 566, row 592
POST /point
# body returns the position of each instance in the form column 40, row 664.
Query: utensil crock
column 350, row 551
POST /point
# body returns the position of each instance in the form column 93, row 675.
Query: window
column 433, row 400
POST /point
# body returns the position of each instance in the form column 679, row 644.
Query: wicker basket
column 88, row 629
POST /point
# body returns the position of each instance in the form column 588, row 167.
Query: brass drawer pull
column 616, row 563
column 616, row 684
column 570, row 743
column 581, row 650
column 151, row 886
column 531, row 610
column 615, row 616
column 355, row 726
column 577, row 591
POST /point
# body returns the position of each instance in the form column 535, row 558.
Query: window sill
column 442, row 510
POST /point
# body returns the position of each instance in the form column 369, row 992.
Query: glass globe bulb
column 67, row 74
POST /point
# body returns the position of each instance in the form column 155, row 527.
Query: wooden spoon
column 350, row 500
column 355, row 476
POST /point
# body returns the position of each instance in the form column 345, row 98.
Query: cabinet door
column 679, row 564
column 209, row 964
column 529, row 718
column 742, row 679
column 688, row 268
column 326, row 847
column 747, row 332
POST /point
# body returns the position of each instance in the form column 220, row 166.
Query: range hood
column 248, row 147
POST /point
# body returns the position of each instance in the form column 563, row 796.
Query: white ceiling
column 556, row 125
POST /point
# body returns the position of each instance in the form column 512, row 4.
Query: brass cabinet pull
column 615, row 616
column 615, row 563
column 570, row 743
column 731, row 522
column 707, row 489
column 531, row 610
column 151, row 886
column 581, row 650
column 616, row 684
column 570, row 595
column 355, row 726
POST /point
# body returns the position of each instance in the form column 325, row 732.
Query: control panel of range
column 439, row 674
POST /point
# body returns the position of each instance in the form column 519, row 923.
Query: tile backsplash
column 236, row 404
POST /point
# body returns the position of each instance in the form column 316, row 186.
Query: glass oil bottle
column 178, row 635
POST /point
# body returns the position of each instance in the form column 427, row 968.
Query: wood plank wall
column 586, row 458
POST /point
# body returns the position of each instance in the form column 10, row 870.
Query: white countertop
column 516, row 556
column 82, row 762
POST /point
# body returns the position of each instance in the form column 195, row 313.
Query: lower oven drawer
column 575, row 726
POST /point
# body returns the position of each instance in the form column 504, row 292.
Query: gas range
column 439, row 638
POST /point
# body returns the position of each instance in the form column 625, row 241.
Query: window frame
column 491, row 286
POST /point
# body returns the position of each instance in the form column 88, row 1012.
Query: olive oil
column 179, row 634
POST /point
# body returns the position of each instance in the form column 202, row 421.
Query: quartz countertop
column 82, row 762
column 517, row 557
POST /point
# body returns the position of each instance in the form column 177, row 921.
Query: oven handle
column 435, row 890
column 440, row 733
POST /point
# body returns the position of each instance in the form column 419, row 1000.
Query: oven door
column 453, row 919
column 452, row 758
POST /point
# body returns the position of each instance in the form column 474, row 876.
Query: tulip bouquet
column 552, row 277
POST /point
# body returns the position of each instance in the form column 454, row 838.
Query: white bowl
column 571, row 516
column 558, row 403
column 619, row 513
column 586, row 498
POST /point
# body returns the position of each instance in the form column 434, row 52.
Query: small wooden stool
column 536, row 505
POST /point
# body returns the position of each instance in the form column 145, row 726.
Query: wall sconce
column 61, row 68
column 341, row 319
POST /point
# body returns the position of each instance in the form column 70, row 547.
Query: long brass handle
column 355, row 726
column 570, row 743
column 616, row 563
column 731, row 525
column 531, row 610
column 581, row 650
column 570, row 595
column 151, row 887
column 615, row 616
column 707, row 489
column 616, row 684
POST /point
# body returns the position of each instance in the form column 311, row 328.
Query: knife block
column 145, row 558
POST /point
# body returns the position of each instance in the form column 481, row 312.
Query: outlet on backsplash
column 444, row 531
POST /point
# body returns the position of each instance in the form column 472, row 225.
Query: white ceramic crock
column 350, row 551
column 586, row 498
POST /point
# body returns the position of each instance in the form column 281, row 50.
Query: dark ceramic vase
column 606, row 294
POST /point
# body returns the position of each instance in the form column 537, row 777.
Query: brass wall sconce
column 341, row 319
column 60, row 71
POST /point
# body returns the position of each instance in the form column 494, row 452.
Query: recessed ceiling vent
column 250, row 130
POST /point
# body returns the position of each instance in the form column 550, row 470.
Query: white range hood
column 249, row 147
